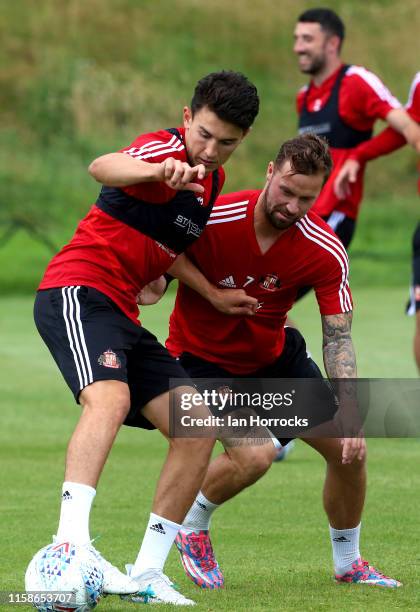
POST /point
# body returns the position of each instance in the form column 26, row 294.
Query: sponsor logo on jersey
column 270, row 282
column 187, row 224
column 229, row 281
column 321, row 128
column 109, row 359
column 200, row 200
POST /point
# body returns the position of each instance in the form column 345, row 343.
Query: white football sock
column 345, row 546
column 158, row 539
column 199, row 515
column 76, row 502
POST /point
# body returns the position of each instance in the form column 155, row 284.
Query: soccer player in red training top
column 341, row 103
column 157, row 196
column 271, row 243
column 386, row 142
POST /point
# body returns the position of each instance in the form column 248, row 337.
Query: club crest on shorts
column 270, row 282
column 109, row 359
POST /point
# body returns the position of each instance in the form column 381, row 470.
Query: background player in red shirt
column 341, row 103
column 157, row 196
column 386, row 142
column 270, row 243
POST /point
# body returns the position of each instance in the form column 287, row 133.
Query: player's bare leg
column 343, row 497
column 242, row 464
column 237, row 468
column 180, row 480
column 105, row 405
column 345, row 484
column 177, row 486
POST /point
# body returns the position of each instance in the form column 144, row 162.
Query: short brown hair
column 307, row 154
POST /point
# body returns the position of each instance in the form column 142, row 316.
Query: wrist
column 211, row 293
column 152, row 173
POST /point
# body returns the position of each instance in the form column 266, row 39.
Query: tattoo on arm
column 337, row 346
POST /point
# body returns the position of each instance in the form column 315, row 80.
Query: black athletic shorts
column 414, row 302
column 344, row 228
column 91, row 339
column 292, row 363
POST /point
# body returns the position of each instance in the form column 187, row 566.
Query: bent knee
column 108, row 399
column 194, row 447
column 253, row 461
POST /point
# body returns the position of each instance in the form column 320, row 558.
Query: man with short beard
column 341, row 103
column 269, row 243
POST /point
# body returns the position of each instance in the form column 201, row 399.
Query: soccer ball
column 64, row 576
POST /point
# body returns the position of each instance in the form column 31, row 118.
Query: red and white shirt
column 111, row 254
column 228, row 254
column 363, row 98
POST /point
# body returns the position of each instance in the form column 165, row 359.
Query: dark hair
column 328, row 20
column 308, row 154
column 230, row 95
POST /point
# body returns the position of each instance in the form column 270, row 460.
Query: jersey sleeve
column 390, row 140
column 365, row 98
column 154, row 148
column 386, row 142
column 332, row 288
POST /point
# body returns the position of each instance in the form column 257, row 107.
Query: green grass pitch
column 272, row 541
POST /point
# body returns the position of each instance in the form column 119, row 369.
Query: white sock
column 199, row 515
column 345, row 546
column 76, row 502
column 158, row 539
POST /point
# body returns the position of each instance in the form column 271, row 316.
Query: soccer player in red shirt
column 270, row 243
column 384, row 143
column 341, row 103
column 156, row 198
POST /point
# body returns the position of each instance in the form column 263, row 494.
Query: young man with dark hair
column 156, row 198
column 270, row 242
column 341, row 103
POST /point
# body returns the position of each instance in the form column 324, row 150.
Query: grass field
column 272, row 541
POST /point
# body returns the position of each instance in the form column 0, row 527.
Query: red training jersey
column 228, row 254
column 118, row 253
column 363, row 98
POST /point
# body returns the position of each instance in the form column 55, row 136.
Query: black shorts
column 292, row 363
column 342, row 225
column 91, row 339
column 413, row 305
column 344, row 228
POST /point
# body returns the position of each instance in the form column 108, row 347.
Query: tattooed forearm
column 337, row 346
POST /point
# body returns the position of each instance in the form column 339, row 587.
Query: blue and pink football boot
column 198, row 559
column 363, row 573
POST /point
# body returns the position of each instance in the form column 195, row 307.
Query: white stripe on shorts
column 71, row 314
